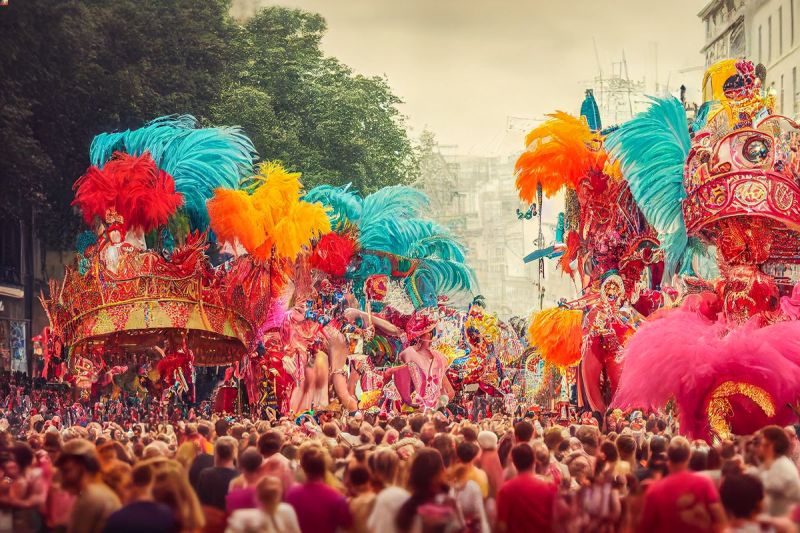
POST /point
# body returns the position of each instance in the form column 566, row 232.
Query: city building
column 474, row 196
column 764, row 31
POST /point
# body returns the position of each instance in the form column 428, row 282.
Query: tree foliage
column 315, row 114
column 71, row 69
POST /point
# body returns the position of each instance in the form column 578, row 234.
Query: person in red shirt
column 683, row 501
column 319, row 508
column 525, row 503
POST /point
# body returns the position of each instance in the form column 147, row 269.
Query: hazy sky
column 463, row 66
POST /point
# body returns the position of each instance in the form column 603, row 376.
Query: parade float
column 604, row 244
column 684, row 239
column 144, row 304
column 724, row 193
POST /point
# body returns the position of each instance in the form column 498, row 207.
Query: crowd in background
column 388, row 473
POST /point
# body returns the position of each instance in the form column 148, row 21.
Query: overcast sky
column 463, row 66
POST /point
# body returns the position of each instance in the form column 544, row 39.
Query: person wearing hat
column 426, row 366
column 80, row 474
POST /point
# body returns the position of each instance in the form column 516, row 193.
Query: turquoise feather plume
column 652, row 148
column 199, row 159
column 344, row 205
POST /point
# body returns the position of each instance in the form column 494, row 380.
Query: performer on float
column 425, row 366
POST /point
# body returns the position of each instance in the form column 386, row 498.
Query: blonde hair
column 171, row 487
column 269, row 492
column 186, row 453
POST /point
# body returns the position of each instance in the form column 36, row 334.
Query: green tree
column 72, row 69
column 313, row 113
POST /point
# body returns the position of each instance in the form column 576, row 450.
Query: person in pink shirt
column 319, row 508
column 683, row 501
column 275, row 463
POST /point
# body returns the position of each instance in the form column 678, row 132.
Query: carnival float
column 198, row 256
column 683, row 240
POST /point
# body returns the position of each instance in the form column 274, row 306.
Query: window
column 759, row 45
column 780, row 31
column 769, row 39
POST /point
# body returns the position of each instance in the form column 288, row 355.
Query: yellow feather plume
column 272, row 221
column 557, row 333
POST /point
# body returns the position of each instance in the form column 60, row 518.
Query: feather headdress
column 652, row 148
column 559, row 153
column 200, row 160
column 132, row 186
column 271, row 220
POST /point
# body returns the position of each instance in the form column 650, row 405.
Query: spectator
column 429, row 508
column 142, row 513
column 242, row 490
column 525, row 503
column 778, row 472
column 271, row 516
column 319, row 508
column 80, row 474
column 683, row 501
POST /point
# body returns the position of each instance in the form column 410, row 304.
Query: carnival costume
column 728, row 190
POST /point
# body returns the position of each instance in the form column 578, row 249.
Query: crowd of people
column 383, row 473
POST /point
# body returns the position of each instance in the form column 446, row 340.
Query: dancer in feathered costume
column 605, row 249
column 729, row 355
column 274, row 226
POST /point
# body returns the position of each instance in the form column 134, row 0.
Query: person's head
column 383, row 465
column 678, row 453
column 426, row 472
column 467, row 452
column 221, row 427
column 553, row 438
column 330, row 430
column 23, row 455
column 416, row 423
column 580, row 469
column 358, row 479
column 171, row 488
column 626, row 445
column 523, row 457
column 270, row 443
column 225, row 451
column 657, row 446
column 523, row 432
column 313, row 463
column 774, row 443
column 661, row 426
column 117, row 475
column 470, row 433
column 250, row 462
column 425, row 481
column 187, row 452
column 141, row 481
column 742, row 496
column 446, row 445
column 78, row 464
column 269, row 492
column 608, row 452
column 587, row 435
column 698, row 460
column 487, row 440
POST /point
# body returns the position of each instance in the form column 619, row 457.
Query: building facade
column 474, row 196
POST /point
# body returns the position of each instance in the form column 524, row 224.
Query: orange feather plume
column 557, row 334
column 559, row 153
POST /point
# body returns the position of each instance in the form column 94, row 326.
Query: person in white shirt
column 778, row 473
